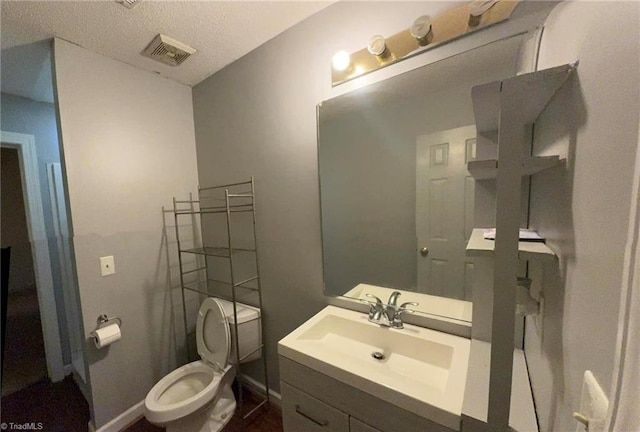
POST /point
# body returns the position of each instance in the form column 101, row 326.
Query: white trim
column 274, row 398
column 125, row 419
column 25, row 144
column 69, row 287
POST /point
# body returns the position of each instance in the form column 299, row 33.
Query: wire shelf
column 237, row 199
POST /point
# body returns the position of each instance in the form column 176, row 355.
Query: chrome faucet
column 377, row 309
column 390, row 314
column 393, row 298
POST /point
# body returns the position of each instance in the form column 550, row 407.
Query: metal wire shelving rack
column 228, row 200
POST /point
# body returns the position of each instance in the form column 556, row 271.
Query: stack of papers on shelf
column 525, row 235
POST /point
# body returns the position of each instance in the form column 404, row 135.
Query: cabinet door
column 303, row 413
column 358, row 426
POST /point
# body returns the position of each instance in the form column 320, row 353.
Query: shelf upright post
column 255, row 247
column 184, row 303
column 508, row 184
column 205, row 257
column 233, row 296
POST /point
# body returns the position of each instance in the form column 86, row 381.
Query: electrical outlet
column 107, row 265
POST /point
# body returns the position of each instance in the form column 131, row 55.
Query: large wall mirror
column 397, row 202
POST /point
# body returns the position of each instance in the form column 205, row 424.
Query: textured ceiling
column 221, row 31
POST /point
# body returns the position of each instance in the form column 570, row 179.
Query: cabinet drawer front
column 358, row 426
column 303, row 413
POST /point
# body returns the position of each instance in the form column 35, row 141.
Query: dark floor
column 269, row 420
column 23, row 362
column 58, row 407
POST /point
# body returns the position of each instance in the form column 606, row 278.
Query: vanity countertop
column 422, row 371
column 443, row 307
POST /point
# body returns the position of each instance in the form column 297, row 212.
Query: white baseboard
column 275, row 398
column 125, row 419
column 68, row 369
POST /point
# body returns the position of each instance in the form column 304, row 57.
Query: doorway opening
column 60, row 398
column 23, row 359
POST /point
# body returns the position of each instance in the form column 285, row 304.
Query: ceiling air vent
column 167, row 50
column 129, row 4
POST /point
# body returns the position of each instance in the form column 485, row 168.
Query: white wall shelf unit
column 523, row 413
column 504, row 111
column 225, row 200
column 530, row 251
column 488, row 169
column 533, row 91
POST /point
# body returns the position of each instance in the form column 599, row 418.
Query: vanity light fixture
column 378, row 46
column 341, row 61
column 477, row 8
column 422, row 30
column 427, row 32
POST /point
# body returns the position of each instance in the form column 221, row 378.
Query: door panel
column 444, row 211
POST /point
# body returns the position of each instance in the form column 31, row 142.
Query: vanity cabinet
column 357, row 426
column 314, row 402
column 302, row 412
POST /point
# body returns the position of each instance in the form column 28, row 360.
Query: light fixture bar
column 423, row 35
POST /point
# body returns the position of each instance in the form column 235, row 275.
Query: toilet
column 197, row 397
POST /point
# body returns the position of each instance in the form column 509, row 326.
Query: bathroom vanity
column 411, row 219
column 327, row 404
column 340, row 372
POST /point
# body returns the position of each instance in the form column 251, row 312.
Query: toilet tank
column 249, row 330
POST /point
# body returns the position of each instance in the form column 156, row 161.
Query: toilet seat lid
column 212, row 333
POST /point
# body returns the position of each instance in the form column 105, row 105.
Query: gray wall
column 26, row 116
column 583, row 210
column 128, row 144
column 257, row 117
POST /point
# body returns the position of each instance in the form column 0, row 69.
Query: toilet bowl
column 197, row 397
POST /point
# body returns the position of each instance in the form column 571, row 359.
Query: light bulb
column 341, row 61
column 377, row 45
column 477, row 8
column 422, row 30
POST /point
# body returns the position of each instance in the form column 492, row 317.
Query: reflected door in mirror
column 444, row 211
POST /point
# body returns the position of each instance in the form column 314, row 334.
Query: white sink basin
column 422, row 371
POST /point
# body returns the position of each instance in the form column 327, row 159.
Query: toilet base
column 208, row 419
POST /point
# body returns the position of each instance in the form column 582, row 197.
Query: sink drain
column 377, row 355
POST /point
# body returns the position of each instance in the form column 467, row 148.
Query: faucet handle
column 397, row 317
column 375, row 311
column 378, row 301
column 404, row 306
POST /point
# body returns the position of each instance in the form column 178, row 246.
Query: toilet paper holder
column 104, row 320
